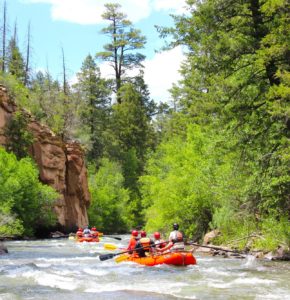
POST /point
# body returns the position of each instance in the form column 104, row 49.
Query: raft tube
column 88, row 239
column 181, row 258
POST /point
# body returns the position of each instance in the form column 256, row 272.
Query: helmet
column 175, row 226
column 134, row 232
column 143, row 233
column 94, row 229
column 80, row 229
column 157, row 235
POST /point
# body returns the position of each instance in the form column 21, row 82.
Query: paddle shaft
column 111, row 255
column 213, row 247
column 113, row 237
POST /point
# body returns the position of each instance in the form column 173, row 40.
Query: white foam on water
column 52, row 280
column 172, row 288
column 251, row 261
column 254, row 281
column 96, row 272
column 8, row 296
column 216, row 271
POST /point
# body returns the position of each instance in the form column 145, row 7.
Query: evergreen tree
column 95, row 107
column 120, row 52
column 15, row 60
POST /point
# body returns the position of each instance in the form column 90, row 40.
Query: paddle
column 110, row 247
column 121, row 258
column 113, row 237
column 215, row 248
column 112, row 255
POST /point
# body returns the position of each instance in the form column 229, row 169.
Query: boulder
column 3, row 249
column 210, row 236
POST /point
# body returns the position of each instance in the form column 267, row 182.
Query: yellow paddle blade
column 71, row 238
column 121, row 258
column 110, row 247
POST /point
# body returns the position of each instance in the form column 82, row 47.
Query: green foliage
column 108, row 198
column 16, row 90
column 16, row 66
column 120, row 52
column 236, row 84
column 25, row 203
column 94, row 95
column 19, row 139
column 178, row 183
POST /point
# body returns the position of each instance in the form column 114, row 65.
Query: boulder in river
column 3, row 249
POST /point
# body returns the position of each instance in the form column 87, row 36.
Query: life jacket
column 94, row 233
column 177, row 238
column 132, row 243
column 145, row 243
column 160, row 244
column 79, row 233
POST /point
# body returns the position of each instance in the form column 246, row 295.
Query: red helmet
column 94, row 229
column 143, row 233
column 157, row 235
column 134, row 232
column 80, row 229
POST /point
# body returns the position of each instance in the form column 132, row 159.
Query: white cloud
column 178, row 6
column 90, row 11
column 160, row 73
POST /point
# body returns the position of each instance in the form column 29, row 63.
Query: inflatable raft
column 181, row 258
column 88, row 240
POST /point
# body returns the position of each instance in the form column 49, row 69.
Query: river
column 63, row 269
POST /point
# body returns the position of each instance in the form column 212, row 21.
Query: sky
column 75, row 26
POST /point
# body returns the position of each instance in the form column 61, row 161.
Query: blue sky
column 75, row 25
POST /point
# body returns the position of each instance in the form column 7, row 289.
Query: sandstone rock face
column 61, row 165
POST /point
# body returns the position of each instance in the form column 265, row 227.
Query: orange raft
column 88, row 239
column 181, row 258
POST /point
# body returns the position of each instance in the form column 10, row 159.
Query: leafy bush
column 108, row 198
column 25, row 203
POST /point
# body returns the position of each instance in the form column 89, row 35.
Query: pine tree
column 120, row 52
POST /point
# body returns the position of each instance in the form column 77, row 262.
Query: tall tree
column 95, row 94
column 4, row 33
column 28, row 50
column 236, row 78
column 15, row 61
column 120, row 52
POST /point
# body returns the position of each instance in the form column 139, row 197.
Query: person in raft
column 87, row 232
column 176, row 242
column 145, row 245
column 79, row 233
column 133, row 240
column 94, row 233
column 159, row 243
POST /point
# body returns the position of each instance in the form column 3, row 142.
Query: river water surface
column 63, row 269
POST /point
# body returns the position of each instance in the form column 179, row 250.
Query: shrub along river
column 63, row 269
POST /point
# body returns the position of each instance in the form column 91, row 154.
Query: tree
column 94, row 92
column 25, row 203
column 28, row 50
column 4, row 33
column 124, row 41
column 19, row 139
column 15, row 61
column 109, row 198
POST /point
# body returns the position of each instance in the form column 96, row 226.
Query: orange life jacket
column 132, row 243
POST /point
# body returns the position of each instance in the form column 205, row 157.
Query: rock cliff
column 61, row 165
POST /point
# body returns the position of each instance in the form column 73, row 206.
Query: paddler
column 133, row 240
column 176, row 241
column 145, row 245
